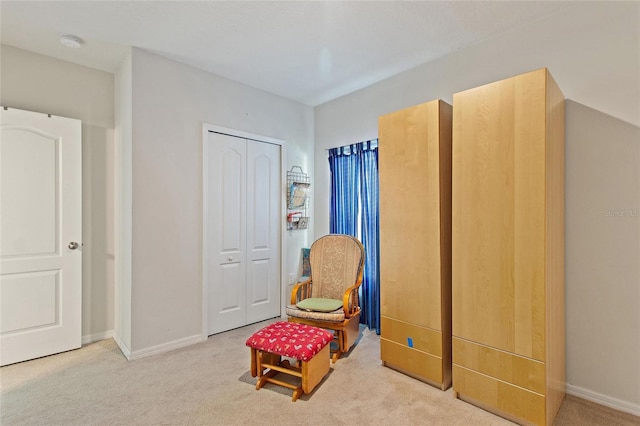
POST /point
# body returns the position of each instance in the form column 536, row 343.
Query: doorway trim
column 212, row 128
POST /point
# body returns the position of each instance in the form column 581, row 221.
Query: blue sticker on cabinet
column 410, row 342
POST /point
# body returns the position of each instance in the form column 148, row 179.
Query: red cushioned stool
column 308, row 345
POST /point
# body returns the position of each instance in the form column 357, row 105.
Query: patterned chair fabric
column 335, row 263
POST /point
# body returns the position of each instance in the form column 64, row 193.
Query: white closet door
column 263, row 233
column 227, row 228
column 242, row 271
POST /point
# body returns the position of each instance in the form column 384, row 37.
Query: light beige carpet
column 209, row 383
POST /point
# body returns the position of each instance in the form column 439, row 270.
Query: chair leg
column 341, row 346
column 346, row 337
column 350, row 333
column 336, row 353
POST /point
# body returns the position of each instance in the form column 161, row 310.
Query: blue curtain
column 345, row 191
column 354, row 211
column 369, row 232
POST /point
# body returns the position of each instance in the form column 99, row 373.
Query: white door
column 41, row 234
column 263, row 232
column 227, row 201
column 243, row 233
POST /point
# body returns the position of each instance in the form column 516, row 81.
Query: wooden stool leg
column 264, row 378
column 296, row 394
column 263, row 357
column 254, row 365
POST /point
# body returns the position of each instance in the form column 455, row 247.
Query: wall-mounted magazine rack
column 298, row 187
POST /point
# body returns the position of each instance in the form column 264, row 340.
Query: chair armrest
column 350, row 299
column 303, row 289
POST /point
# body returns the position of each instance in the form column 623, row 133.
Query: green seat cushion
column 319, row 304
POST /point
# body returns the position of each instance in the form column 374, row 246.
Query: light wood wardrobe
column 508, row 247
column 414, row 163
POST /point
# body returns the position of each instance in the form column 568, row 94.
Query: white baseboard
column 90, row 338
column 123, row 348
column 166, row 347
column 607, row 401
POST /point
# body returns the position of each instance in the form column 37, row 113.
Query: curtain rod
column 375, row 142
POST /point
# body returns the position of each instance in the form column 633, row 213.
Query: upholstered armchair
column 329, row 298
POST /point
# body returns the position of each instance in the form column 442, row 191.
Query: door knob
column 73, row 245
column 230, row 258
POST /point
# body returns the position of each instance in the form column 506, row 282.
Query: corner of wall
column 123, row 203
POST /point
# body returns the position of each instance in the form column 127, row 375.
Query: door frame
column 206, row 129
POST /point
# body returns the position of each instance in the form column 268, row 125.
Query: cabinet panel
column 523, row 372
column 555, row 293
column 505, row 399
column 420, row 338
column 411, row 361
column 529, row 211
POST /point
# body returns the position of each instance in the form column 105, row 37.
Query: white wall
column 596, row 64
column 603, row 256
column 39, row 83
column 171, row 101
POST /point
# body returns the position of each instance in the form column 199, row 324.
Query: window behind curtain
column 354, row 211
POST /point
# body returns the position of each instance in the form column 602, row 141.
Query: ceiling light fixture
column 70, row 40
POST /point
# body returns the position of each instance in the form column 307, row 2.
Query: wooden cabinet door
column 499, row 215
column 410, row 257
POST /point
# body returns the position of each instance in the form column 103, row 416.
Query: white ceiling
column 308, row 51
